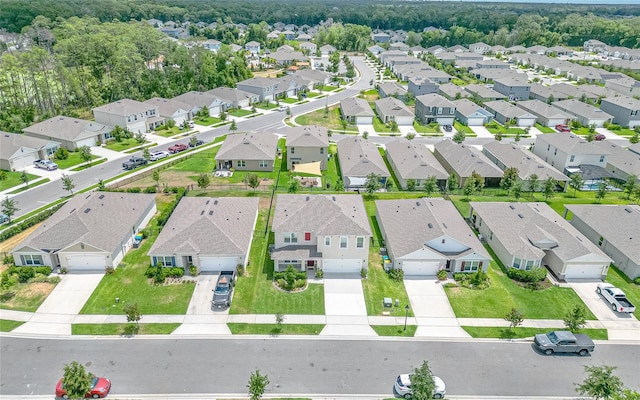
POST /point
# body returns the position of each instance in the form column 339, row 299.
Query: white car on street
column 403, row 387
column 158, row 155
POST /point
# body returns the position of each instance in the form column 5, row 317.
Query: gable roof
column 621, row 159
column 360, row 157
column 507, row 109
column 410, row 223
column 67, row 128
column 468, row 108
column 570, row 143
column 483, row 91
column 307, row 136
column 527, row 163
column 197, row 99
column 89, row 218
column 391, row 88
column 414, row 160
column 12, row 143
column 248, row 146
column 578, row 108
column 542, row 109
column 393, row 106
column 124, row 107
column 338, row 214
column 435, row 100
column 209, row 226
column 231, row 95
column 357, row 107
column 168, row 107
column 466, row 159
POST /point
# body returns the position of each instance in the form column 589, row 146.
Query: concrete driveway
column 482, row 132
column 344, row 306
column 596, row 303
column 203, row 294
column 431, row 308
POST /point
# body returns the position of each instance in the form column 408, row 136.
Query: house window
column 490, row 235
column 530, row 264
column 470, row 266
column 517, row 262
column 548, row 147
column 360, row 242
column 31, row 259
column 165, row 261
column 241, row 163
column 307, row 236
column 343, row 242
column 600, row 241
column 439, row 110
column 572, row 158
column 263, row 164
column 601, row 158
column 321, row 150
column 293, row 150
column 290, row 238
column 327, row 241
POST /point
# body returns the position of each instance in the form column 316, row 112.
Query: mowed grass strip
column 379, row 285
column 395, row 330
column 121, row 329
column 275, row 329
column 506, row 333
column 25, row 296
column 8, row 325
column 618, row 279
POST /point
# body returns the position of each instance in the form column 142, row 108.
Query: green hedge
column 536, row 274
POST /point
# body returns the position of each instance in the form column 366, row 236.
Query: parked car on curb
column 196, row 143
column 191, row 124
column 600, row 137
column 45, row 164
column 282, row 108
column 402, row 387
column 134, row 162
column 4, row 218
column 178, row 147
column 158, row 155
column 616, row 298
column 100, row 387
column 447, row 128
column 563, row 342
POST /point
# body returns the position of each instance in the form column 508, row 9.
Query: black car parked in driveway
column 447, row 128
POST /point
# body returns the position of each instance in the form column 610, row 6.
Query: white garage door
column 364, row 121
column 217, row 264
column 86, row 262
column 21, row 162
column 337, row 265
column 583, row 272
column 475, row 121
column 91, row 142
column 420, row 267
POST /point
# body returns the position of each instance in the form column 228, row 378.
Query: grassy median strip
column 121, row 329
column 275, row 329
column 395, row 330
column 31, row 185
column 8, row 325
column 516, row 333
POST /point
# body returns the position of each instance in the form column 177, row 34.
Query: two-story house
column 307, row 144
column 563, row 150
column 131, row 115
column 435, row 108
column 514, row 89
column 326, row 232
column 625, row 110
column 265, row 88
column 252, row 47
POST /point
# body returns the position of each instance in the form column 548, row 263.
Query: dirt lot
column 171, row 178
column 270, row 73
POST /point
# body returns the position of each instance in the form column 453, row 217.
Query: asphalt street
column 162, row 365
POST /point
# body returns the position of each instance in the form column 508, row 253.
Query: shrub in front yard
column 396, row 275
column 442, row 275
column 290, row 279
column 476, row 280
column 14, row 275
column 637, row 281
column 536, row 274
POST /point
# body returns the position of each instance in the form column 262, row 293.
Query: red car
column 178, row 147
column 563, row 128
column 99, row 388
column 600, row 136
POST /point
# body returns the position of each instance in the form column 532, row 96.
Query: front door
column 311, row 265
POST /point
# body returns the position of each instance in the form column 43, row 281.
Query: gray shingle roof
column 67, row 128
column 248, row 146
column 393, row 106
column 197, row 99
column 621, row 159
column 414, row 160
column 618, row 224
column 356, row 107
column 576, row 107
column 542, row 109
column 11, row 143
column 467, row 108
column 168, row 107
column 410, row 223
column 483, row 91
column 391, row 88
column 451, row 90
column 125, row 107
column 526, row 162
column 207, row 226
column 628, row 103
column 570, row 143
column 465, row 159
column 518, row 225
column 307, row 136
column 507, row 109
column 108, row 220
column 435, row 100
column 359, row 157
column 231, row 95
column 338, row 214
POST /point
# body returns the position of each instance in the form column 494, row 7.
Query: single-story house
column 387, row 89
column 411, row 160
column 307, row 144
column 504, row 111
column 471, row 114
column 419, row 85
column 200, row 100
column 327, row 49
column 435, row 108
column 574, row 92
column 463, row 160
column 391, row 109
column 248, row 151
column 547, row 94
column 234, row 98
column 212, row 234
column 358, row 158
column 614, row 229
column 452, row 92
column 625, row 110
column 132, row 115
column 528, row 235
column 424, row 236
column 626, row 86
column 321, row 232
column 585, row 113
column 19, row 151
column 91, row 232
column 171, row 109
column 621, row 162
column 70, row 133
column 480, row 48
column 484, row 93
column 265, row 88
column 357, row 111
column 546, row 114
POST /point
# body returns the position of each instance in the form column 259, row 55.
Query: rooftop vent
column 202, row 212
column 521, row 216
column 207, row 202
column 101, row 197
column 307, row 199
column 418, row 203
column 430, row 225
column 210, row 212
column 628, row 210
column 511, row 206
column 333, row 198
column 215, row 202
column 86, row 210
column 445, row 225
column 72, row 211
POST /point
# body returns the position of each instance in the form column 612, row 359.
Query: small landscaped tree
column 118, row 133
column 410, row 136
column 373, row 183
column 203, row 181
column 133, row 314
column 3, row 175
column 9, row 207
column 411, row 185
column 498, row 136
column 603, row 188
column 575, row 319
column 452, row 182
column 576, row 181
column 253, row 181
column 601, row 383
column 61, row 154
column 232, row 126
column 515, row 318
column 257, row 385
column 67, row 183
column 532, row 183
column 549, row 188
column 294, row 186
column 146, row 154
column 516, row 190
column 393, row 125
column 343, row 123
column 24, row 178
column 459, row 137
column 156, row 177
column 509, row 178
column 430, row 185
column 140, row 137
column 630, row 185
column 422, row 383
column 223, row 116
column 76, row 380
column 85, row 154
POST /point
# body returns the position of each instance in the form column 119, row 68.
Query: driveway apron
column 431, row 308
column 344, row 305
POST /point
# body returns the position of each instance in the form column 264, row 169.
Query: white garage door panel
column 475, row 121
column 337, row 265
column 19, row 163
column 420, row 267
column 91, row 142
column 583, row 271
column 217, row 264
column 86, row 262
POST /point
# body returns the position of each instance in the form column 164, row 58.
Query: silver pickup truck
column 564, row 342
column 224, row 289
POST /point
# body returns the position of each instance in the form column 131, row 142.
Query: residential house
column 381, row 37
column 509, row 155
column 559, row 51
column 391, row 109
column 512, row 88
column 375, row 49
column 211, row 234
column 614, row 229
column 358, row 158
column 357, row 111
column 287, row 57
column 265, row 88
column 529, row 235
column 303, row 37
column 427, row 235
column 433, row 50
column 411, row 160
column 314, row 232
column 504, row 111
column 170, row 109
column 307, row 144
column 546, row 114
column 516, row 49
column 625, row 110
column 594, row 46
column 452, row 92
column 575, row 92
column 327, row 50
column 585, row 113
column 537, row 49
column 546, row 94
column 212, row 44
column 252, row 47
column 386, row 89
column 483, row 93
column 131, row 115
column 20, row 151
column 417, row 50
column 463, row 161
column 471, row 114
column 70, row 133
column 457, row 49
column 492, row 64
column 309, row 47
column 248, row 151
column 564, row 150
column 84, row 236
column 489, row 75
column 626, row 86
column 234, row 98
column 479, row 48
column 421, row 85
column 289, row 35
column 435, row 108
column 200, row 100
column 621, row 162
column 400, row 47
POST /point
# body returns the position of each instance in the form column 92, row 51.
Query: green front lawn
column 202, row 162
column 545, row 129
column 504, row 294
column 7, row 325
column 379, row 285
column 123, row 145
column 170, row 131
column 330, row 119
column 121, row 329
column 395, row 330
column 428, row 129
column 240, row 113
column 207, row 121
column 505, row 333
column 505, row 131
column 380, row 126
column 462, row 128
column 13, row 179
column 623, row 132
column 71, row 161
column 618, row 279
column 25, row 296
column 274, row 329
column 326, row 88
column 289, row 100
